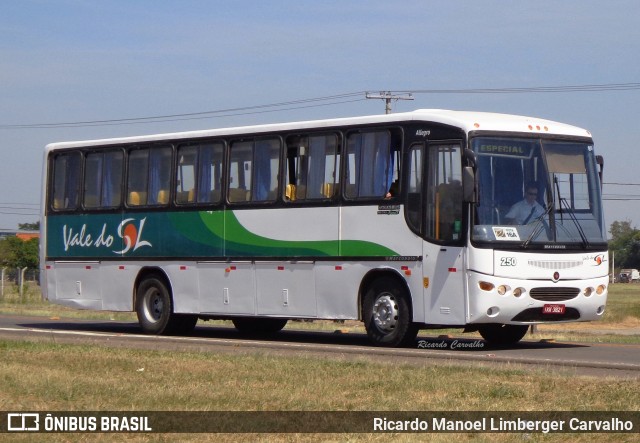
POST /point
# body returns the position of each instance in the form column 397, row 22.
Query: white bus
column 403, row 221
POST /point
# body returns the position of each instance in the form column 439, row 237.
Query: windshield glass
column 537, row 193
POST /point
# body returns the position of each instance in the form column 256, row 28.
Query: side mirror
column 600, row 162
column 468, row 185
column 470, row 157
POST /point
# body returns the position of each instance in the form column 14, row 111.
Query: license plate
column 553, row 309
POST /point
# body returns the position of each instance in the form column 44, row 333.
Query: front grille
column 554, row 294
column 555, row 264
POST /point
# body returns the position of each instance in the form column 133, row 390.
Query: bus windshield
column 537, row 193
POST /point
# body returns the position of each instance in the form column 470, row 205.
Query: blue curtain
column 392, row 160
column 358, row 175
column 381, row 183
column 155, row 162
column 205, row 158
column 317, row 157
column 372, row 158
column 73, row 181
column 262, row 170
column 107, row 180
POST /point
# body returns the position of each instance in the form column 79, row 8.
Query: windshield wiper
column 572, row 216
column 538, row 227
column 585, row 241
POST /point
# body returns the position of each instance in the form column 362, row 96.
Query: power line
column 330, row 100
column 19, row 213
column 621, row 184
column 256, row 109
column 535, row 89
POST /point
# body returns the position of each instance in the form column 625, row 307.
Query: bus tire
column 498, row 334
column 254, row 325
column 154, row 308
column 387, row 314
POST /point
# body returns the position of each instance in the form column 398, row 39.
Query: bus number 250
column 508, row 261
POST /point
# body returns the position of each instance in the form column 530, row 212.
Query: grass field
column 80, row 378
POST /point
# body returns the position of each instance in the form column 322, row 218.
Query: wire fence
column 12, row 275
column 18, row 284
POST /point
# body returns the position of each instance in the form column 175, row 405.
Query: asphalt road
column 610, row 360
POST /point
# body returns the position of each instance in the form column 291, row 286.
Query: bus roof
column 465, row 120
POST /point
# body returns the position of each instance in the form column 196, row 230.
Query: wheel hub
column 155, row 305
column 385, row 312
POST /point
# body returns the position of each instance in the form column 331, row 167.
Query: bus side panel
column 337, row 285
column 377, row 231
column 77, row 284
column 116, row 281
column 285, row 289
column 227, row 288
column 183, row 278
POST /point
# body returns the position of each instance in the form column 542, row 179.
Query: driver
column 527, row 209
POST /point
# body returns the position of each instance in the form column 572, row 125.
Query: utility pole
column 387, row 96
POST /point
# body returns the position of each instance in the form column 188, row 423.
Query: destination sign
column 506, row 149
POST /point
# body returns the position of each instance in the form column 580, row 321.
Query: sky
column 69, row 61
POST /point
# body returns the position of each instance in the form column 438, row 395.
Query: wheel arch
column 374, row 275
column 147, row 272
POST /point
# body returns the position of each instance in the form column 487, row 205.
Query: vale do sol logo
column 129, row 230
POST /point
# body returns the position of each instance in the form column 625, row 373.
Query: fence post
column 22, row 271
column 2, row 284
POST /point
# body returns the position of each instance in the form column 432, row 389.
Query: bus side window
column 149, row 176
column 186, row 174
column 311, row 167
column 371, row 164
column 254, row 168
column 66, row 181
column 266, row 170
column 414, row 184
column 103, row 179
column 209, row 185
column 240, row 161
column 444, row 193
column 199, row 173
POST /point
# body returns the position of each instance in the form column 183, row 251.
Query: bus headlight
column 587, row 292
column 600, row 289
column 517, row 292
column 502, row 289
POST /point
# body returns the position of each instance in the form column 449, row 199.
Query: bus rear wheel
column 154, row 308
column 503, row 334
column 387, row 314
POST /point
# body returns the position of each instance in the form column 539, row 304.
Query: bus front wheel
column 387, row 314
column 503, row 334
column 154, row 308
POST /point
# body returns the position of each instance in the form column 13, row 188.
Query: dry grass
column 83, row 378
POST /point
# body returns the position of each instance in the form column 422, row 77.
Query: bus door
column 443, row 261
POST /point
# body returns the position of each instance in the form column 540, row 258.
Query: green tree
column 29, row 226
column 625, row 244
column 16, row 253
